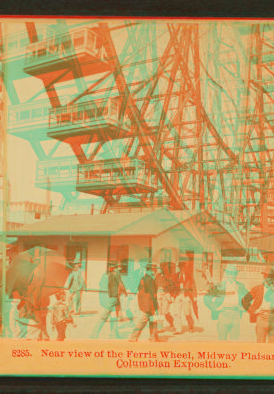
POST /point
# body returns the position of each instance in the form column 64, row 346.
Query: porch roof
column 226, row 233
column 137, row 223
column 146, row 224
column 264, row 243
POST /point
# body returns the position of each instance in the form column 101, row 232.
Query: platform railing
column 17, row 42
column 84, row 113
column 31, row 112
column 63, row 46
column 56, row 171
column 87, row 174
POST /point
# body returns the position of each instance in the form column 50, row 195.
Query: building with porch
column 161, row 235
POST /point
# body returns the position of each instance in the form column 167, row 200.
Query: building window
column 267, row 258
column 184, row 254
column 37, row 215
column 165, row 255
column 76, row 253
column 186, row 259
column 119, row 254
column 166, row 261
column 208, row 261
column 181, row 250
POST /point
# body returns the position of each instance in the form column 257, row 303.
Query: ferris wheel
column 154, row 113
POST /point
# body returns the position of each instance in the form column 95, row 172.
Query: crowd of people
column 163, row 297
column 161, row 289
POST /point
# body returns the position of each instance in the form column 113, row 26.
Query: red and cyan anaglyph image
column 137, row 180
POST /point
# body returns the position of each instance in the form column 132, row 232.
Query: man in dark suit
column 225, row 302
column 147, row 300
column 185, row 296
column 259, row 303
column 110, row 301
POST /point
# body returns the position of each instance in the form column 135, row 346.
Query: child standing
column 60, row 315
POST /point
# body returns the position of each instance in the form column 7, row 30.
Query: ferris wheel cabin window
column 78, row 40
column 64, row 171
column 42, row 50
column 42, row 171
column 53, row 171
column 106, row 173
column 25, row 115
column 14, row 116
column 94, row 174
column 117, row 172
column 13, row 45
column 37, row 113
column 24, row 41
column 130, row 171
column 66, row 43
column 91, row 40
column 90, row 113
column 101, row 111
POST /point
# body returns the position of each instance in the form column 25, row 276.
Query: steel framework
column 175, row 114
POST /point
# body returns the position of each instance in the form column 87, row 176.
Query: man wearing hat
column 225, row 302
column 76, row 285
column 259, row 303
column 134, row 283
column 165, row 286
column 110, row 290
column 185, row 295
column 147, row 300
column 163, row 297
